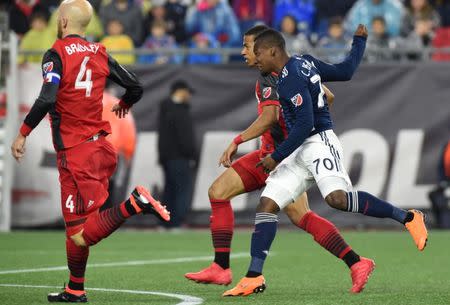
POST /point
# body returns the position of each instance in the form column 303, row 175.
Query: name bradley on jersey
column 79, row 48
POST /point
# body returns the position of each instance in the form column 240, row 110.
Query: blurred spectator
column 177, row 151
column 421, row 37
column 251, row 12
column 379, row 41
column 94, row 30
column 296, row 42
column 38, row 38
column 116, row 40
column 172, row 13
column 128, row 14
column 365, row 10
column 336, row 41
column 418, row 9
column 20, row 12
column 214, row 17
column 326, row 10
column 157, row 40
column 200, row 42
column 302, row 10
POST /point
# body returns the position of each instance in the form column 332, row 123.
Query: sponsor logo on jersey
column 48, row 67
column 267, row 92
column 297, row 100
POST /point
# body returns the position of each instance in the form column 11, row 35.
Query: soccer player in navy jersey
column 242, row 176
column 311, row 152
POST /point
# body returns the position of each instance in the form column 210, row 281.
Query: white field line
column 185, row 299
column 127, row 263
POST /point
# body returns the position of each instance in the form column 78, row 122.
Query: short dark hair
column 271, row 38
column 256, row 30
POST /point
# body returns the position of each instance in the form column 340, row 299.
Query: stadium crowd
column 161, row 25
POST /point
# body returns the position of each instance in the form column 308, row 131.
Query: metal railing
column 232, row 54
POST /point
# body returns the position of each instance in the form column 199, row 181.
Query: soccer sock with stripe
column 100, row 225
column 265, row 231
column 328, row 236
column 222, row 226
column 367, row 204
column 76, row 261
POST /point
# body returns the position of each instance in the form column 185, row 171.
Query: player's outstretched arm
column 344, row 71
column 51, row 71
column 127, row 80
column 265, row 120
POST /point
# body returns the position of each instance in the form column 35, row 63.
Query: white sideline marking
column 185, row 299
column 129, row 263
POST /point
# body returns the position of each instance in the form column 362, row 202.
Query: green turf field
column 297, row 272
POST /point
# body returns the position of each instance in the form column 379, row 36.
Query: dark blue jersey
column 302, row 98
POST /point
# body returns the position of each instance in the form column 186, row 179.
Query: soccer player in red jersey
column 243, row 176
column 75, row 72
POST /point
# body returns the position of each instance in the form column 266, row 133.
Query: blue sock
column 364, row 203
column 265, row 231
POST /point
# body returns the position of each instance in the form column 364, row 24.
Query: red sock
column 222, row 225
column 76, row 261
column 325, row 234
column 101, row 224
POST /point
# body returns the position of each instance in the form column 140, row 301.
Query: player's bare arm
column 127, row 80
column 329, row 95
column 268, row 117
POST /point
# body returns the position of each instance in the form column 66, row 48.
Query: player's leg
column 337, row 193
column 323, row 231
column 328, row 236
column 76, row 256
column 284, row 185
column 92, row 178
column 238, row 179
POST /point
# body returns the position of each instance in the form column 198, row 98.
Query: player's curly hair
column 270, row 38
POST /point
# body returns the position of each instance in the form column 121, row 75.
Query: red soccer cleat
column 214, row 274
column 360, row 273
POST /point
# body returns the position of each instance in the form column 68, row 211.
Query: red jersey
column 266, row 94
column 78, row 112
column 75, row 72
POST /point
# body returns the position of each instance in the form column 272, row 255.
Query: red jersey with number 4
column 77, row 115
column 266, row 94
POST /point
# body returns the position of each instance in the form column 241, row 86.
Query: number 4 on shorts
column 69, row 203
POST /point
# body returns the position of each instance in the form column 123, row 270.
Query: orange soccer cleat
column 360, row 273
column 143, row 201
column 247, row 286
column 417, row 229
column 214, row 274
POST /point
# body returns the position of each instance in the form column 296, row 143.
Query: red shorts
column 253, row 177
column 84, row 172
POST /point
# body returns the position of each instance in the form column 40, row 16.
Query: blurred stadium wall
column 392, row 120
